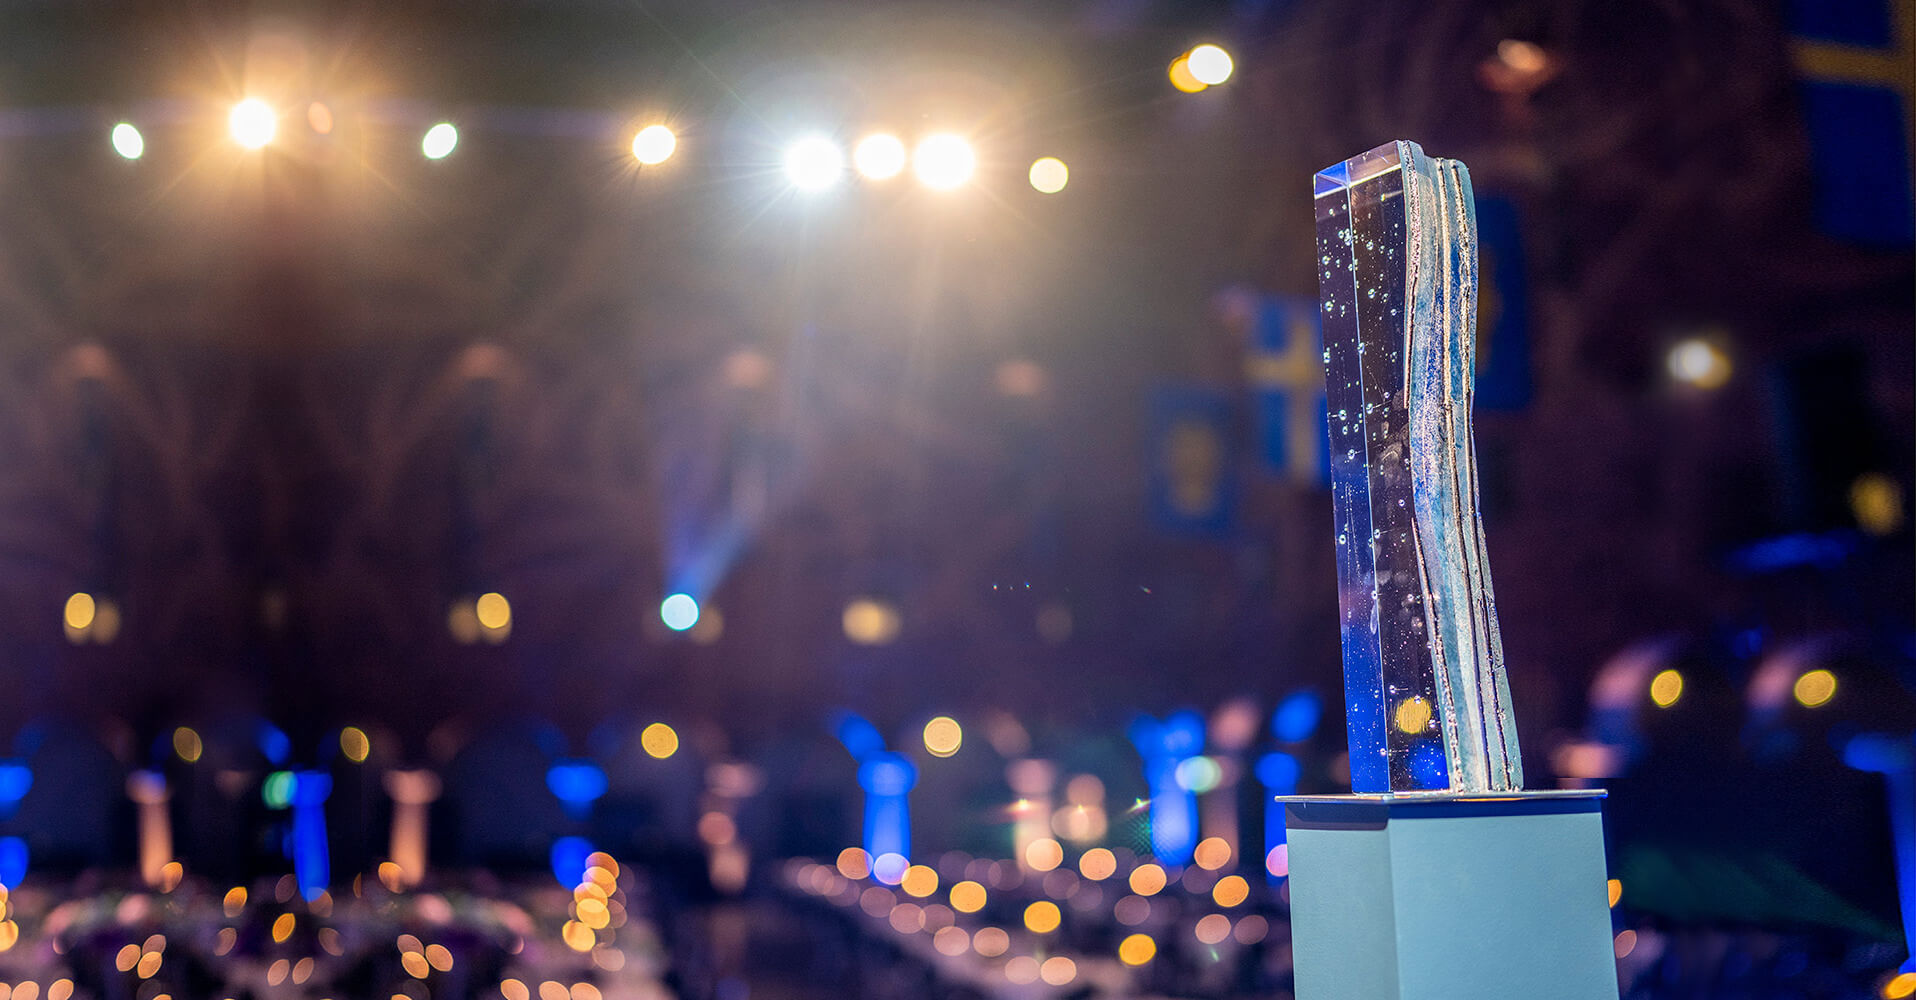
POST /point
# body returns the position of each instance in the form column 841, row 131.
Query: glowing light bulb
column 814, row 163
column 128, row 142
column 439, row 141
column 252, row 123
column 1049, row 175
column 1209, row 65
column 943, row 162
column 879, row 156
column 679, row 612
column 654, row 145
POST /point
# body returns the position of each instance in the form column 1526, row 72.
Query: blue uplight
column 568, row 859
column 679, row 612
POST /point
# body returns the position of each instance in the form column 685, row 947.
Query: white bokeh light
column 814, row 163
column 943, row 162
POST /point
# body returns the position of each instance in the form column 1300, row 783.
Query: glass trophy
column 1424, row 681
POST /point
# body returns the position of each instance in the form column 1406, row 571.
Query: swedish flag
column 1285, row 369
column 1858, row 62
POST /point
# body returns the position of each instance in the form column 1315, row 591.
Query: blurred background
column 505, row 497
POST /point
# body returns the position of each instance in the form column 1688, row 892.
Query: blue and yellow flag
column 1192, row 479
column 1285, row 369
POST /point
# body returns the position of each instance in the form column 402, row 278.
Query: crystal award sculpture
column 1424, row 680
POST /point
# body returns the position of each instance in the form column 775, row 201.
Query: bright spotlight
column 943, row 162
column 679, row 612
column 654, row 145
column 879, row 157
column 1209, row 64
column 1049, row 175
column 252, row 123
column 127, row 141
column 814, row 163
column 439, row 141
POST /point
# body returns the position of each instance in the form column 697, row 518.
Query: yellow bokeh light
column 943, row 736
column 870, row 622
column 1209, row 65
column 1098, row 864
column 148, row 965
column 1049, row 175
column 1231, row 890
column 493, row 610
column 578, row 936
column 235, row 901
column 1615, row 887
column 1666, row 688
column 354, row 743
column 879, row 156
column 1413, row 715
column 80, row 610
column 1181, row 77
column 252, row 123
column 1137, row 949
column 1042, row 917
column 1902, row 986
column 654, row 144
column 1044, row 854
column 1212, row 853
column 1699, row 362
column 1147, row 880
column 659, row 740
column 1815, row 688
column 283, row 927
column 186, row 743
column 1876, row 500
column 944, row 161
column 415, row 965
column 919, row 880
column 968, row 897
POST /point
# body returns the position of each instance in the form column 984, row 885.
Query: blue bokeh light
column 576, row 782
column 13, row 861
column 1297, row 716
column 568, row 859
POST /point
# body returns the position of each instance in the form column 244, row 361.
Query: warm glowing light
column 952, row 941
column 1230, row 890
column 1098, row 864
column 654, row 145
column 1278, row 861
column 1616, row 891
column 1209, row 64
column 1413, row 715
column 1181, row 77
column 814, row 163
column 80, row 611
column 1022, row 969
column 1147, row 880
column 853, row 862
column 1251, row 929
column 1877, row 502
column 493, row 611
column 1626, row 943
column 1212, row 853
column 578, row 936
column 990, row 941
column 319, row 118
column 1042, row 917
column 1666, row 688
column 1137, row 949
column 283, row 927
column 1212, row 928
column 1521, row 56
column 234, row 902
column 186, row 743
column 943, row 736
column 968, row 897
column 944, row 161
column 879, row 156
column 1044, row 854
column 1902, row 986
column 1815, row 688
column 659, row 740
column 870, row 622
column 439, row 141
column 1058, row 970
column 415, row 965
column 1049, row 175
column 1699, row 362
column 354, row 743
column 920, row 881
column 252, row 123
column 679, row 612
column 128, row 142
